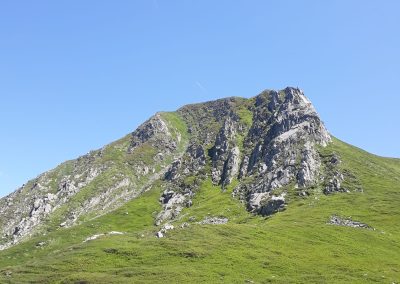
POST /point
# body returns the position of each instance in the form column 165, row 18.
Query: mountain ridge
column 242, row 171
column 278, row 114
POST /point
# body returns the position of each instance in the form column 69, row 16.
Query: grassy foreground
column 293, row 246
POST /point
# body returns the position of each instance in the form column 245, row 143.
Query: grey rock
column 185, row 225
column 161, row 233
column 231, row 166
column 243, row 167
column 40, row 244
column 266, row 204
column 334, row 184
column 285, row 133
column 214, row 221
column 155, row 130
column 173, row 203
column 173, row 172
column 348, row 222
column 225, row 154
column 309, row 168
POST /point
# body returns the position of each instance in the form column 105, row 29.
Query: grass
column 293, row 246
column 245, row 115
column 176, row 123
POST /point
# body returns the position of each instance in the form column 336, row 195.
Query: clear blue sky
column 75, row 75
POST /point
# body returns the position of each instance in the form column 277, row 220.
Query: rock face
column 267, row 143
column 265, row 146
column 173, row 203
column 225, row 154
column 283, row 143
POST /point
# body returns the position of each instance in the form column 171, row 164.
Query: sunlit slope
column 293, row 246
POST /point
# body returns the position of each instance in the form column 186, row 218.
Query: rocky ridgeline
column 277, row 150
column 91, row 185
column 25, row 209
column 267, row 145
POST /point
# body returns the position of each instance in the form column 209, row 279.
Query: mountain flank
column 234, row 190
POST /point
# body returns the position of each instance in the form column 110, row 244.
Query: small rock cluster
column 161, row 233
column 173, row 203
column 348, row 222
column 214, row 221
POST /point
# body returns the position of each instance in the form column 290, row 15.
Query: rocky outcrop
column 278, row 150
column 266, row 204
column 31, row 205
column 310, row 164
column 156, row 131
column 284, row 136
column 347, row 222
column 214, row 221
column 333, row 179
column 172, row 204
column 191, row 163
column 161, row 233
column 334, row 184
column 225, row 154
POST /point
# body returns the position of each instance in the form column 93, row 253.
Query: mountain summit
column 265, row 143
column 232, row 162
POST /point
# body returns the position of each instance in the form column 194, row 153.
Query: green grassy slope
column 293, row 246
column 116, row 165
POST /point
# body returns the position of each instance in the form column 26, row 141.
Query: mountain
column 230, row 191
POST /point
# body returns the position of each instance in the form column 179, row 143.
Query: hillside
column 231, row 191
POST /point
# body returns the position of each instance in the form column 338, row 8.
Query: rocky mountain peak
column 260, row 148
column 266, row 143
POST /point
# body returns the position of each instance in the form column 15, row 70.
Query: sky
column 76, row 75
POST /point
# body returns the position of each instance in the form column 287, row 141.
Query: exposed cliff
column 266, row 146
